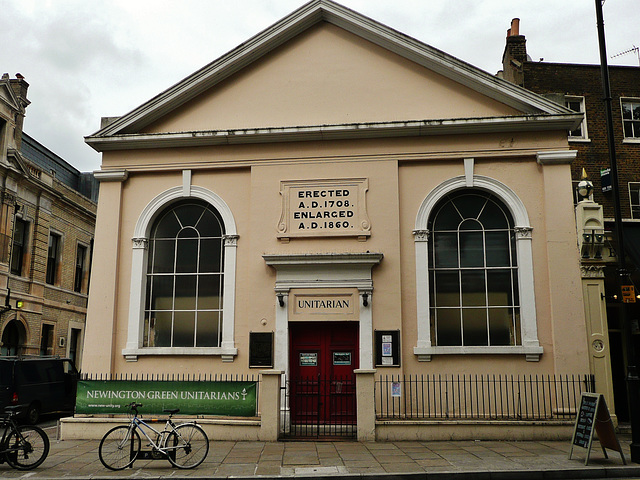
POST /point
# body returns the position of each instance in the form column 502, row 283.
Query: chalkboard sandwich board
column 593, row 417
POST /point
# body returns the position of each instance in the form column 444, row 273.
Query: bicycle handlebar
column 133, row 406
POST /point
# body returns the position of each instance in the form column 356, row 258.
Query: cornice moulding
column 352, row 131
column 111, row 175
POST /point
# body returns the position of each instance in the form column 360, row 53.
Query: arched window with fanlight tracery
column 185, row 277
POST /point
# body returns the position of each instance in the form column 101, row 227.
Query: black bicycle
column 23, row 447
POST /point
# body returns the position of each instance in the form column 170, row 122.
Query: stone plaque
column 313, row 305
column 325, row 208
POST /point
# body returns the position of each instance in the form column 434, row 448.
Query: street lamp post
column 633, row 381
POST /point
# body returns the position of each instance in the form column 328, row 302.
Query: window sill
column 579, row 140
column 631, row 140
column 227, row 354
column 532, row 353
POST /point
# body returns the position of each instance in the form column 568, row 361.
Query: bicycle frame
column 9, row 426
column 169, row 427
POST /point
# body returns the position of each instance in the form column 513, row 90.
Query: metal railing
column 320, row 407
column 170, row 377
column 480, row 397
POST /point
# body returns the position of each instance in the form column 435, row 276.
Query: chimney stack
column 515, row 27
column 515, row 54
column 19, row 86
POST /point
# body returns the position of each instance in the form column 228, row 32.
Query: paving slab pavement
column 78, row 459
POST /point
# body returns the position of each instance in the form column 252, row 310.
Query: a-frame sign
column 593, row 417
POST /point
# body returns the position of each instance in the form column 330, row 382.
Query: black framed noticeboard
column 261, row 349
column 387, row 348
column 593, row 417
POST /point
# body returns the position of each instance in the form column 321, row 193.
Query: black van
column 43, row 385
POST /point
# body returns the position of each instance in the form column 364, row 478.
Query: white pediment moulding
column 323, row 270
column 535, row 108
column 530, row 347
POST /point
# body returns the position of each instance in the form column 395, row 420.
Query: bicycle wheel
column 119, row 447
column 187, row 446
column 27, row 447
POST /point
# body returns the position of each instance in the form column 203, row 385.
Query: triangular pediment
column 8, row 100
column 328, row 76
column 326, row 71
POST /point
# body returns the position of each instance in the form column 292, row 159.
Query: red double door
column 322, row 358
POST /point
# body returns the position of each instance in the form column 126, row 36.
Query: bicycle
column 23, row 447
column 185, row 445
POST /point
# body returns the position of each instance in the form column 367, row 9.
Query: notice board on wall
column 387, row 348
column 261, row 349
column 593, row 418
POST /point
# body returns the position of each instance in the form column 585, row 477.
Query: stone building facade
column 366, row 202
column 47, row 226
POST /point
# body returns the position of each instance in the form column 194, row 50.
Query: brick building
column 579, row 87
column 47, row 220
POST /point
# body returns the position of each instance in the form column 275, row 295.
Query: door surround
column 317, row 271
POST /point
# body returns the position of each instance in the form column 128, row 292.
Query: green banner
column 238, row 399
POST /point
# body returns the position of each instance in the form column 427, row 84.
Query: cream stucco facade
column 328, row 101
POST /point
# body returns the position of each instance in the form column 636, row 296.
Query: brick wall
column 586, row 81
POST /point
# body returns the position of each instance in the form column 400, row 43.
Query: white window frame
column 528, row 322
column 631, row 205
column 139, row 257
column 583, row 124
column 622, row 101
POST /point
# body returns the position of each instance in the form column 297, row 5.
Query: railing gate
column 320, row 407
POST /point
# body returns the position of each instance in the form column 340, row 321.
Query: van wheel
column 33, row 414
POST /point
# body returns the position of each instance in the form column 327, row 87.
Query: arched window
column 474, row 272
column 185, row 277
column 473, row 277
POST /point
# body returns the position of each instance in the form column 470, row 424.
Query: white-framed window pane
column 187, row 252
column 445, row 249
column 497, row 249
column 448, row 327
column 473, row 288
column 577, row 105
column 631, row 118
column 446, row 288
column 475, row 326
column 210, row 292
column 209, row 329
column 501, row 326
column 634, row 199
column 158, row 329
column 210, row 255
column 163, row 252
column 471, row 249
column 186, row 292
column 184, row 329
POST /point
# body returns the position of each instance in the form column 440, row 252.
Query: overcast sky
column 87, row 59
